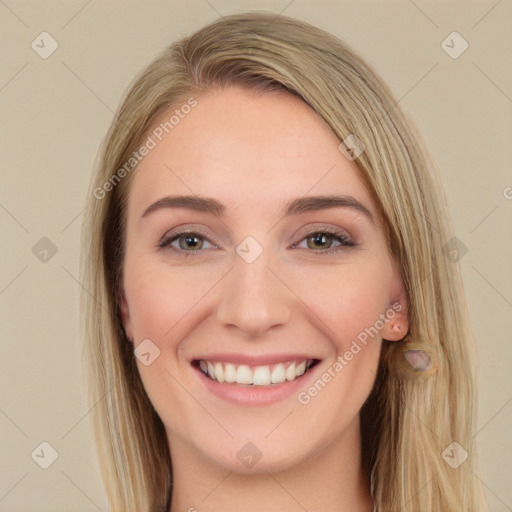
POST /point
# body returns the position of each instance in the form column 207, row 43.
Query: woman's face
column 270, row 280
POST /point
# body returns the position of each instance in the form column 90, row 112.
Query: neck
column 330, row 479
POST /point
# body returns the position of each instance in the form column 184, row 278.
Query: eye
column 187, row 242
column 322, row 240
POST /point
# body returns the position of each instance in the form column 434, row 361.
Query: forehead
column 246, row 148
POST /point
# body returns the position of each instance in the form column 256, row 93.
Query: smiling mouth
column 263, row 375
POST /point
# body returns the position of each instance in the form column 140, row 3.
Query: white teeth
column 261, row 376
column 230, row 373
column 290, row 372
column 244, row 375
column 211, row 370
column 278, row 374
column 258, row 376
column 219, row 372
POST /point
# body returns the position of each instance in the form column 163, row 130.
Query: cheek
column 160, row 296
column 349, row 303
column 162, row 301
column 350, row 299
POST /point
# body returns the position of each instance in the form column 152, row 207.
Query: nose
column 253, row 298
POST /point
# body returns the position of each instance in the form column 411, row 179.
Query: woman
column 271, row 318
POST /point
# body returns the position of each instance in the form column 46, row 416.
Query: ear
column 397, row 324
column 125, row 316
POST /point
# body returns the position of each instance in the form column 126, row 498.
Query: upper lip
column 253, row 359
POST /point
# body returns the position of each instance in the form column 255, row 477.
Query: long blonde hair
column 410, row 420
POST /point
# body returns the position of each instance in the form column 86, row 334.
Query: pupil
column 189, row 241
column 320, row 239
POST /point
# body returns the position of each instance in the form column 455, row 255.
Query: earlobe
column 397, row 324
column 125, row 316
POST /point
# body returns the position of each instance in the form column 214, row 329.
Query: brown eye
column 323, row 241
column 320, row 241
column 188, row 242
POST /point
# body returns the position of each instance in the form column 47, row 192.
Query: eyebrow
column 294, row 207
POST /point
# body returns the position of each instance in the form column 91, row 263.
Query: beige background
column 55, row 112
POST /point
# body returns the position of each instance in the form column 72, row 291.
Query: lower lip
column 248, row 395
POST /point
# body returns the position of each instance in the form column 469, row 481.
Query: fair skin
column 305, row 297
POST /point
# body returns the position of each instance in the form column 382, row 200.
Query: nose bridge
column 253, row 298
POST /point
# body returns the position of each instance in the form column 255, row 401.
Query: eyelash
column 345, row 241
